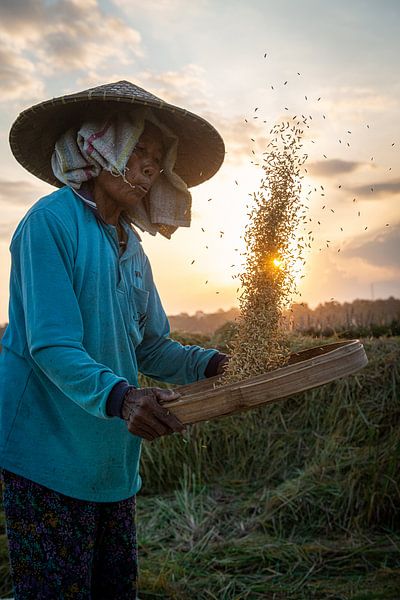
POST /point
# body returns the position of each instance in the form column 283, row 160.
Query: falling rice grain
column 271, row 258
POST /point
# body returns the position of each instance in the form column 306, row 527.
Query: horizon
column 312, row 308
column 236, row 308
column 243, row 70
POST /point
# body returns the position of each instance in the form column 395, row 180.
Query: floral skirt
column 62, row 548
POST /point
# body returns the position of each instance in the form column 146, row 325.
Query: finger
column 141, row 431
column 157, row 426
column 166, row 395
column 170, row 420
column 223, row 365
column 166, row 417
column 155, row 416
column 152, row 416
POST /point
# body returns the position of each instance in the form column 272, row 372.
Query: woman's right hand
column 146, row 417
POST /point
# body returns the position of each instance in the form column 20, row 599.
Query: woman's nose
column 149, row 167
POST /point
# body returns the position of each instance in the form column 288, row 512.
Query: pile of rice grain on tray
column 271, row 258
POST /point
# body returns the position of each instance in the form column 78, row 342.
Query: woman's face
column 142, row 170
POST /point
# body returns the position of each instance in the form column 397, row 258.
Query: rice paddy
column 296, row 500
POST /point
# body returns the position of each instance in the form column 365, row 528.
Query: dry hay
column 272, row 256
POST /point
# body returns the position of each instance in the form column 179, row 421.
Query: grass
column 335, row 446
column 213, row 542
column 298, row 500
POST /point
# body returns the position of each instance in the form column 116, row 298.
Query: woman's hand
column 223, row 363
column 146, row 417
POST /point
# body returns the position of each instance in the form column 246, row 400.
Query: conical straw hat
column 33, row 135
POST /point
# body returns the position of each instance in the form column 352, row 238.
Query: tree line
column 360, row 317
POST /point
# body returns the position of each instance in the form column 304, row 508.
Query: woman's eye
column 142, row 149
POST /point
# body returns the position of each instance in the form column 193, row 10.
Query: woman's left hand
column 145, row 415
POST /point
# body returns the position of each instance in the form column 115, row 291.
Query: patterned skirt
column 62, row 548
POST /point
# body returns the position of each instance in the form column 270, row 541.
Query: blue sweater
column 82, row 319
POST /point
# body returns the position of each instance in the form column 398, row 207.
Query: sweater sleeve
column 43, row 253
column 159, row 356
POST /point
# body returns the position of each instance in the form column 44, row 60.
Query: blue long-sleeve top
column 82, row 319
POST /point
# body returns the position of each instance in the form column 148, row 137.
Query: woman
column 84, row 318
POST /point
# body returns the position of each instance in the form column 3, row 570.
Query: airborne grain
column 272, row 254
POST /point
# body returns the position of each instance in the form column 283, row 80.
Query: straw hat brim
column 33, row 135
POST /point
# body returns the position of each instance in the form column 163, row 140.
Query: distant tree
column 336, row 317
column 201, row 322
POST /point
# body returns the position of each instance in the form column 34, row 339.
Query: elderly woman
column 85, row 317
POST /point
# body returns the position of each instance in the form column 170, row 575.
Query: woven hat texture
column 33, row 135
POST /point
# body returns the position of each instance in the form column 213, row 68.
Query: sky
column 243, row 66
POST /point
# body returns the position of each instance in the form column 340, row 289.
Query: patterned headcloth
column 108, row 144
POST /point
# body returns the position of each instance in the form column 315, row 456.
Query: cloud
column 20, row 193
column 66, row 36
column 92, row 40
column 185, row 87
column 17, row 77
column 382, row 250
column 385, row 188
column 161, row 6
column 357, row 101
column 333, row 167
column 347, row 277
column 238, row 137
column 19, row 17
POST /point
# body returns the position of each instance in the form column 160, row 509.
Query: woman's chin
column 136, row 193
column 132, row 199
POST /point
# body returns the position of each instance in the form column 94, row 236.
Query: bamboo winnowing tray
column 209, row 399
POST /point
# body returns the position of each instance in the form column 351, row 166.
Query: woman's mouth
column 142, row 188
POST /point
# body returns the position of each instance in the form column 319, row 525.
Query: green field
column 296, row 500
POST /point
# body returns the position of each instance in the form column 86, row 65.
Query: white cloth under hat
column 107, row 144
